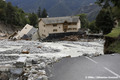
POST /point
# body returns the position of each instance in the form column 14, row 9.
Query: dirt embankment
column 108, row 42
column 111, row 45
column 7, row 29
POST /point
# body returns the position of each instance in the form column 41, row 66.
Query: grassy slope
column 114, row 33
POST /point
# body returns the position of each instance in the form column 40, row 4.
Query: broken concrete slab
column 20, row 63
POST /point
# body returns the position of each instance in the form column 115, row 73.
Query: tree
column 105, row 21
column 21, row 17
column 115, row 8
column 10, row 13
column 44, row 13
column 33, row 19
column 116, row 12
column 39, row 12
column 93, row 28
column 84, row 21
column 3, row 6
column 115, row 2
column 105, row 18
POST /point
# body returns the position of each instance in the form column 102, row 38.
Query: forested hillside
column 15, row 16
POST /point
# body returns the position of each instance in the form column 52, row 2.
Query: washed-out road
column 105, row 67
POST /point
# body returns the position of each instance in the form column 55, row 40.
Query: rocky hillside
column 57, row 7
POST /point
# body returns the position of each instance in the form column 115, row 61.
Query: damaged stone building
column 58, row 26
column 26, row 33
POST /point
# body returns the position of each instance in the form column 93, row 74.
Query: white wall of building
column 25, row 30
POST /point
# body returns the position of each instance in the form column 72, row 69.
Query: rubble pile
column 32, row 69
column 3, row 36
column 26, row 68
column 71, row 38
column 28, row 60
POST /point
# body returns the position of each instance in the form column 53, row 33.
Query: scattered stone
column 71, row 38
column 34, row 71
column 96, row 55
column 4, row 76
column 41, row 72
column 16, row 71
column 39, row 78
column 85, row 54
column 42, row 65
column 42, row 78
column 45, row 78
column 34, row 62
column 112, row 54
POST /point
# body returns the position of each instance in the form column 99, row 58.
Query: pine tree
column 10, row 13
column 105, row 21
column 3, row 6
column 44, row 13
column 39, row 12
column 33, row 19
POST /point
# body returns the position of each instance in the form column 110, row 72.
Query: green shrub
column 114, row 33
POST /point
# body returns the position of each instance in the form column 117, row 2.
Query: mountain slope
column 91, row 10
column 54, row 7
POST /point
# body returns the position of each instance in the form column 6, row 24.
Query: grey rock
column 39, row 78
column 42, row 78
column 42, row 65
column 41, row 72
column 16, row 71
column 45, row 78
column 34, row 62
column 4, row 76
column 34, row 71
